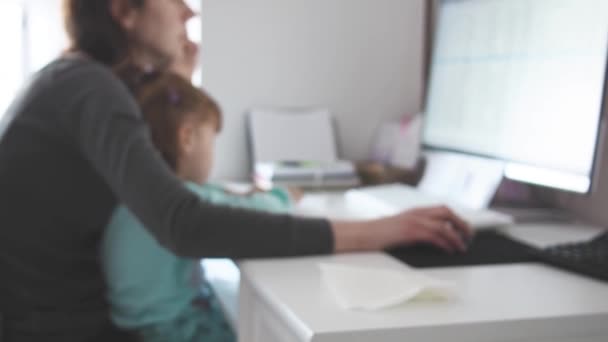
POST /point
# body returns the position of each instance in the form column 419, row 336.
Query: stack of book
column 307, row 174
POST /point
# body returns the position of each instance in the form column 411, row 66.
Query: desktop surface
column 286, row 300
column 515, row 302
column 389, row 199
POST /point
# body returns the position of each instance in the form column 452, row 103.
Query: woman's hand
column 438, row 226
column 185, row 64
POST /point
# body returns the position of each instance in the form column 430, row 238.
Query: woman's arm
column 106, row 126
column 435, row 225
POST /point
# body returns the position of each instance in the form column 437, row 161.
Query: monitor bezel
column 599, row 133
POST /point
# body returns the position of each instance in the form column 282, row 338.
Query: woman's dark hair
column 92, row 29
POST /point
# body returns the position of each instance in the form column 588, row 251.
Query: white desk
column 284, row 300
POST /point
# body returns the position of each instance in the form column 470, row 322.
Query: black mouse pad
column 487, row 247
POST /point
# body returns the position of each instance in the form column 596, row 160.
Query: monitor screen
column 522, row 81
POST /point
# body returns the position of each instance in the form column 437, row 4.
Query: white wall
column 31, row 34
column 46, row 34
column 360, row 58
column 11, row 61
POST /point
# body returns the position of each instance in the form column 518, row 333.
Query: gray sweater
column 72, row 146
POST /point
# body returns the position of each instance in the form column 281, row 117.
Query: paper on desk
column 372, row 289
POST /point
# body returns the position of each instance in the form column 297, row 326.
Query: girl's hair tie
column 173, row 96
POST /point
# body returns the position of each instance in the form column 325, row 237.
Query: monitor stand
column 526, row 206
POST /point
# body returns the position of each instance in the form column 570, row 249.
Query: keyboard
column 382, row 200
column 589, row 258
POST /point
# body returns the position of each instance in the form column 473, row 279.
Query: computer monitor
column 521, row 81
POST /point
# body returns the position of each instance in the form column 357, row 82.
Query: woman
column 75, row 146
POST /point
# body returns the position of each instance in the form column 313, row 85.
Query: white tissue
column 368, row 288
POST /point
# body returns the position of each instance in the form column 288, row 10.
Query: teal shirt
column 147, row 284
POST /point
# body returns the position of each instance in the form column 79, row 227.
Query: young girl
column 150, row 289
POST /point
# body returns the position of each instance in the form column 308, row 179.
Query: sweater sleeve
column 104, row 122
